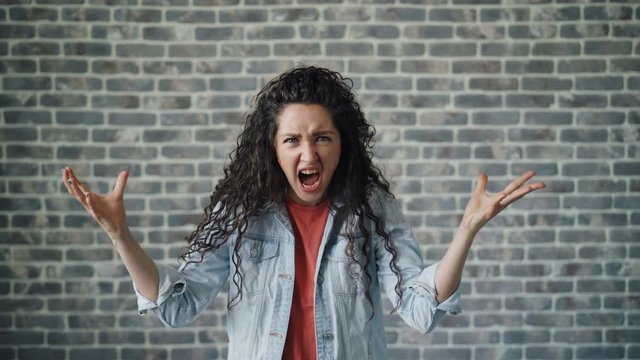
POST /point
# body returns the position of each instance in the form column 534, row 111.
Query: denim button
column 328, row 335
column 254, row 251
column 320, row 279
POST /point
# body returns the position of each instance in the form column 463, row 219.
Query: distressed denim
column 257, row 325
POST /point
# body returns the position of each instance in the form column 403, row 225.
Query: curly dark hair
column 238, row 197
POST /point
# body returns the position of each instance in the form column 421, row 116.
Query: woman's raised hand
column 107, row 210
column 483, row 206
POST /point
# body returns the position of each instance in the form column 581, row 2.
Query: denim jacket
column 257, row 325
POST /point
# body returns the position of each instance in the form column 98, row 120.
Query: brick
column 452, row 15
column 137, row 15
column 581, row 66
column 504, row 14
column 374, row 32
column 530, row 100
column 296, row 49
column 243, row 15
column 480, row 32
column 79, row 353
column 598, row 219
column 498, row 152
column 528, row 66
column 166, row 102
column 215, row 102
column 476, row 66
column 625, row 100
column 578, row 101
column 428, row 32
column 391, row 84
column 548, row 118
column 526, row 337
column 130, row 353
column 139, row 50
column 240, row 50
column 199, row 353
column 311, row 14
column 544, row 83
column 190, row 16
column 538, row 352
column 493, row 83
column 626, row 30
column 349, row 49
column 577, row 302
column 608, row 13
column 85, row 14
column 32, row 48
column 322, row 31
column 453, row 50
column 533, row 31
column 270, row 33
column 498, row 353
column 584, row 30
column 607, row 47
column 549, row 320
column 626, row 168
column 17, row 66
column 600, row 352
column 116, row 32
column 114, row 67
column 478, row 101
column 62, row 31
column 504, row 50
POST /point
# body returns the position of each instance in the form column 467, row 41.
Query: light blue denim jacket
column 257, row 325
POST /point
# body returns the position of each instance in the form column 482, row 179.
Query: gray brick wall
column 454, row 87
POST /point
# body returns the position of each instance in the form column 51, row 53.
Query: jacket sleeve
column 184, row 293
column 419, row 307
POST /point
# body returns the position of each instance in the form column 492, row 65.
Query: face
column 308, row 150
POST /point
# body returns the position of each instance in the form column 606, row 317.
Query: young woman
column 305, row 229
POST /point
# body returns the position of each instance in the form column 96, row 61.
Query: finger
column 121, row 183
column 521, row 192
column 482, row 183
column 517, row 183
column 72, row 185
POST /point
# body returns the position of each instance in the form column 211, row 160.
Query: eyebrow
column 315, row 133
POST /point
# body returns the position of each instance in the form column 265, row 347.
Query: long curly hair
column 238, row 197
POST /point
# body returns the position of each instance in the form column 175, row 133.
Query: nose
column 308, row 152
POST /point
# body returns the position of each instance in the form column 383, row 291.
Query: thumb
column 121, row 183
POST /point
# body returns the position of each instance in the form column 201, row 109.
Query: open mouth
column 310, row 179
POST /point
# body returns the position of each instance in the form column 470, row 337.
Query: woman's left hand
column 483, row 206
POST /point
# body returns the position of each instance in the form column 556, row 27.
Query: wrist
column 121, row 235
column 465, row 232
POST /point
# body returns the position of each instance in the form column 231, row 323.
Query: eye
column 323, row 138
column 290, row 140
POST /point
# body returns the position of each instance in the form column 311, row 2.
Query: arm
column 482, row 207
column 108, row 211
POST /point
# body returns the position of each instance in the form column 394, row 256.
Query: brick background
column 454, row 87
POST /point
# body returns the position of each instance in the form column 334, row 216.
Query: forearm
column 449, row 270
column 139, row 264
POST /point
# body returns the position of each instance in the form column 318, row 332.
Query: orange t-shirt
column 308, row 224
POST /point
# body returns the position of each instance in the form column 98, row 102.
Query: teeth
column 309, row 172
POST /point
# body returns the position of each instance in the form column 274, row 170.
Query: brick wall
column 454, row 87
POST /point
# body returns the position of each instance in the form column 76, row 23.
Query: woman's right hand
column 107, row 210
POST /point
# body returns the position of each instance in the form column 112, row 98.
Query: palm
column 108, row 210
column 482, row 207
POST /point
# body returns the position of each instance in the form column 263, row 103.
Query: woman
column 305, row 229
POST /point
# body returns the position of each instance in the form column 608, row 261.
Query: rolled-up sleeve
column 419, row 307
column 185, row 292
column 170, row 282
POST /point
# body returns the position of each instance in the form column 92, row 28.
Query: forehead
column 304, row 117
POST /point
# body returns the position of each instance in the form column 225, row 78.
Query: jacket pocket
column 257, row 258
column 347, row 274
